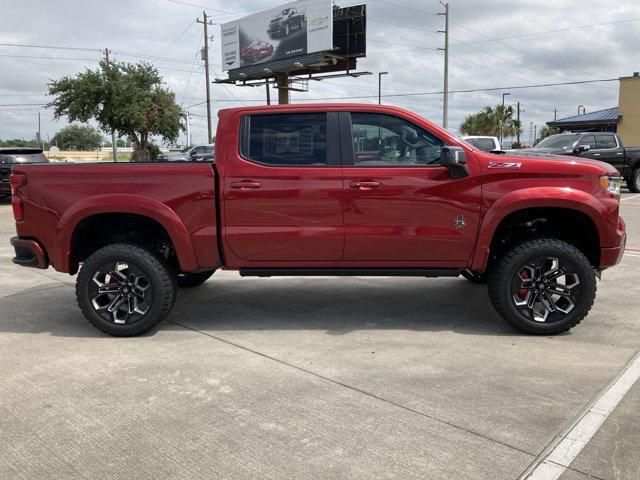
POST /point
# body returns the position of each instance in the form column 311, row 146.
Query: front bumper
column 29, row 253
column 612, row 256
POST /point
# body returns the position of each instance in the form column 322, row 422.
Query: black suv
column 287, row 22
column 10, row 156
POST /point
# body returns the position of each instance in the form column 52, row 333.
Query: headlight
column 611, row 184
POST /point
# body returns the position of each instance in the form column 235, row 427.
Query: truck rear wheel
column 633, row 182
column 188, row 280
column 125, row 289
column 543, row 286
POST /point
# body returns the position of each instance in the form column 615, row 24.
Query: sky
column 494, row 44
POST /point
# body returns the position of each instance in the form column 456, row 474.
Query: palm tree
column 492, row 121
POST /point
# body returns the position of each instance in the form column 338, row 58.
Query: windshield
column 558, row 141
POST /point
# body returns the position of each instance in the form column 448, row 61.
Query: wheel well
column 97, row 231
column 566, row 224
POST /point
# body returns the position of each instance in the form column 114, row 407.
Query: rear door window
column 607, row 141
column 285, row 140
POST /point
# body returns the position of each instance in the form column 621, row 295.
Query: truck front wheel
column 125, row 289
column 543, row 286
column 633, row 182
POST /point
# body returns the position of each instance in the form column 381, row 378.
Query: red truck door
column 400, row 205
column 283, row 188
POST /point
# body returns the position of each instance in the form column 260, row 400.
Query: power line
column 404, row 6
column 440, row 92
column 163, row 51
column 52, row 47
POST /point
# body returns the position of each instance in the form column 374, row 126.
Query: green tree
column 547, row 132
column 492, row 121
column 128, row 98
column 77, row 137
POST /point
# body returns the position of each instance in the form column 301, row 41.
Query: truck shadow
column 336, row 306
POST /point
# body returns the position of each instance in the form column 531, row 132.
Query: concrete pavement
column 308, row 378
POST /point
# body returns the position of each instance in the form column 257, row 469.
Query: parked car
column 256, row 51
column 197, row 153
column 606, row 147
column 486, row 144
column 288, row 21
column 290, row 194
column 10, row 156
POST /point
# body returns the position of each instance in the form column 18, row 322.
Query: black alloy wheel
column 125, row 289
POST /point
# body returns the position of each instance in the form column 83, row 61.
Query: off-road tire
column 156, row 271
column 633, row 182
column 475, row 277
column 512, row 260
column 189, row 280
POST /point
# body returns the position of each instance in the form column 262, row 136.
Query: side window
column 588, row 140
column 286, row 140
column 606, row 141
column 388, row 141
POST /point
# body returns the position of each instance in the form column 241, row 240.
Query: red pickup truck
column 325, row 190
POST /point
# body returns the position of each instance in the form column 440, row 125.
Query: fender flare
column 123, row 203
column 537, row 197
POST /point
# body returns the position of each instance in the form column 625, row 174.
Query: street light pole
column 380, row 86
column 502, row 119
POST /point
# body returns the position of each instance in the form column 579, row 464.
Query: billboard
column 290, row 30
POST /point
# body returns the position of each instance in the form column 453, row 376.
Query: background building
column 623, row 119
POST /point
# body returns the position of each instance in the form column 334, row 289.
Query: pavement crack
column 355, row 389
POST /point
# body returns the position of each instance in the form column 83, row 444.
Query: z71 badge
column 504, row 164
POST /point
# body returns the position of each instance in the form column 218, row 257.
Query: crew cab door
column 283, row 188
column 400, row 204
column 608, row 150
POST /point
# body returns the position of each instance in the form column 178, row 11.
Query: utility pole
column 39, row 132
column 380, row 86
column 266, row 84
column 535, row 133
column 206, row 22
column 518, row 130
column 188, row 130
column 445, row 98
column 114, row 143
column 555, row 114
column 502, row 119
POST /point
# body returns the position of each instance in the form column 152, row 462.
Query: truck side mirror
column 455, row 159
column 581, row 149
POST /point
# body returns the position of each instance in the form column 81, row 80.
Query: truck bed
column 181, row 197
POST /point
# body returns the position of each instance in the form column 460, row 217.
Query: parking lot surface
column 310, row 378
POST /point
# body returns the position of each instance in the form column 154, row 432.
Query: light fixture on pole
column 380, row 86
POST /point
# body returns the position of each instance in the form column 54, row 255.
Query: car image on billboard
column 289, row 30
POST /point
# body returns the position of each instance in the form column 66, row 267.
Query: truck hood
column 536, row 160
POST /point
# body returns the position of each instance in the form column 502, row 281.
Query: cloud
column 146, row 27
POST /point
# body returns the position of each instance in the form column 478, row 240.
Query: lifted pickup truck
column 325, row 190
column 603, row 146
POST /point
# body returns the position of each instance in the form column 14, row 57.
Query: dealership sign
column 288, row 31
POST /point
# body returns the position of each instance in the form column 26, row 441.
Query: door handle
column 365, row 185
column 596, row 154
column 246, row 185
column 619, row 154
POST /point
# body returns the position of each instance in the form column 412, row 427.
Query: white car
column 486, row 144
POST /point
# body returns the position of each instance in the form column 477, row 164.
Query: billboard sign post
column 291, row 30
